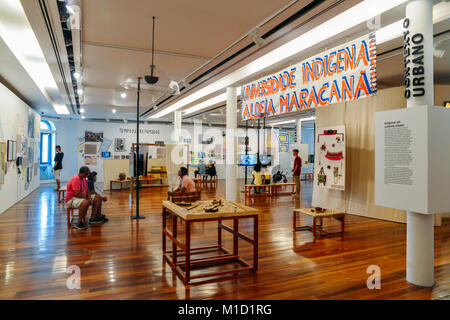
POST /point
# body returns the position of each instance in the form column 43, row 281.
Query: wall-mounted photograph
column 119, row 144
column 12, row 151
column 205, row 140
column 90, row 136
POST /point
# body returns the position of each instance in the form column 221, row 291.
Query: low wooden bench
column 274, row 187
column 317, row 229
column 212, row 178
column 249, row 187
column 62, row 194
column 307, row 176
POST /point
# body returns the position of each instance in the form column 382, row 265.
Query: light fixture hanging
column 151, row 79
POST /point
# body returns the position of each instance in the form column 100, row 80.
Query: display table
column 189, row 215
column 147, row 184
column 317, row 229
column 117, row 181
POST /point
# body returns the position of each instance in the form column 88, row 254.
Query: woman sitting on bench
column 257, row 177
column 211, row 170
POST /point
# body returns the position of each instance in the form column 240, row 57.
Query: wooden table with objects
column 317, row 228
column 117, row 181
column 189, row 215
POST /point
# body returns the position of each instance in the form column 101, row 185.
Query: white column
column 299, row 131
column 420, row 227
column 177, row 126
column 230, row 160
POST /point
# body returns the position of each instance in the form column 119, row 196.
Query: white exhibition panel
column 329, row 159
column 412, row 152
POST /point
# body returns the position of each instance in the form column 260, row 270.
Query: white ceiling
column 187, row 34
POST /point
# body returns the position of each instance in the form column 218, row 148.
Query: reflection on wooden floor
column 122, row 258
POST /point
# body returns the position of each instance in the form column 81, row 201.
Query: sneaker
column 95, row 220
column 104, row 218
column 80, row 226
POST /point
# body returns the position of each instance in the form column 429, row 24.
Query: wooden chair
column 62, row 194
column 71, row 215
column 179, row 197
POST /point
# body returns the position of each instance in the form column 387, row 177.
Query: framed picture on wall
column 119, row 144
column 11, row 152
column 90, row 136
column 2, row 162
column 90, row 149
column 29, row 173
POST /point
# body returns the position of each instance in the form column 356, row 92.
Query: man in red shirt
column 78, row 196
column 296, row 171
column 186, row 183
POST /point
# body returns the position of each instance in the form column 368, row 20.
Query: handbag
column 321, row 177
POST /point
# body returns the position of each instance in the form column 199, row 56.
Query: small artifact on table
column 194, row 205
column 122, row 176
column 213, row 208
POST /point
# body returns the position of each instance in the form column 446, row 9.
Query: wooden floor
column 122, row 259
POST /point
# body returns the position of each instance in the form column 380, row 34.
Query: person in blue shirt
column 201, row 168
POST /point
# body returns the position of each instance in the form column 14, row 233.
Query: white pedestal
column 420, row 249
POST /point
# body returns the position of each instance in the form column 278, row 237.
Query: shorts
column 57, row 174
column 75, row 203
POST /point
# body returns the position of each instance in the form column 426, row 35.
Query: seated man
column 186, row 183
column 201, row 169
column 78, row 196
column 97, row 199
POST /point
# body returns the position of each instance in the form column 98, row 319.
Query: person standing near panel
column 58, row 166
column 296, row 171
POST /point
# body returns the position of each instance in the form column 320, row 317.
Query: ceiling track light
column 254, row 34
column 174, row 88
column 438, row 52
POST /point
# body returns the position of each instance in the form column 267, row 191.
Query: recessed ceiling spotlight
column 83, row 117
column 123, row 95
column 80, row 91
column 114, row 110
column 125, row 120
column 76, row 75
column 82, row 110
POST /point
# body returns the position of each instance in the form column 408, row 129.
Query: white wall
column 67, row 138
column 69, row 132
column 14, row 115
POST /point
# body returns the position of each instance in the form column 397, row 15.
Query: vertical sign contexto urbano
column 418, row 61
